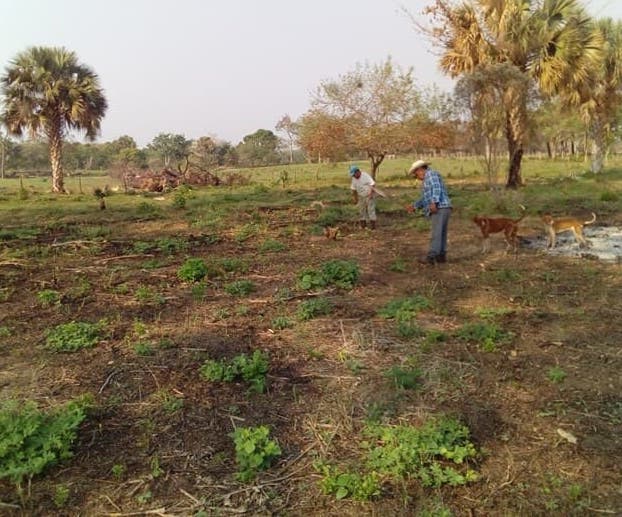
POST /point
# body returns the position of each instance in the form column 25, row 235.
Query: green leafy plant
column 340, row 273
column 254, row 451
column 399, row 265
column 143, row 348
column 48, row 297
column 409, row 329
column 361, row 487
column 198, row 291
column 147, row 296
column 408, row 451
column 271, row 245
column 487, row 335
column 171, row 245
column 170, row 402
column 117, row 471
column 61, row 496
column 405, row 377
column 233, row 265
column 193, row 270
column 73, row 336
column 556, row 374
column 404, row 309
column 154, row 465
column 251, row 369
column 313, row 308
column 32, row 440
column 281, row 322
column 240, row 288
column 180, row 199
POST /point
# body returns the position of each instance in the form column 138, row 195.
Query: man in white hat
column 436, row 205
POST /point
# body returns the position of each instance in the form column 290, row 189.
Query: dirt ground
column 326, row 375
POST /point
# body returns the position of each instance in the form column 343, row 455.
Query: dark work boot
column 427, row 260
column 441, row 259
column 363, row 224
column 372, row 225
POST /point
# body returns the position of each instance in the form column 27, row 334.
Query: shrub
column 408, row 451
column 32, row 440
column 281, row 322
column 271, row 245
column 405, row 377
column 232, row 265
column 556, row 374
column 240, row 288
column 313, row 308
column 70, row 337
column 486, row 335
column 340, row 273
column 251, row 369
column 404, row 309
column 254, row 451
column 361, row 487
column 48, row 297
column 193, row 270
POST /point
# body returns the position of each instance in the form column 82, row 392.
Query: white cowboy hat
column 416, row 165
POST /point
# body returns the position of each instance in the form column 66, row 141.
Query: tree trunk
column 56, row 155
column 514, row 131
column 599, row 136
column 376, row 160
column 2, row 154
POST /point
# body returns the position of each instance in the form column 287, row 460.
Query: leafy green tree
column 170, row 148
column 48, row 92
column 259, row 148
column 289, row 128
column 204, row 153
column 552, row 41
column 481, row 94
column 602, row 92
column 376, row 104
column 322, row 136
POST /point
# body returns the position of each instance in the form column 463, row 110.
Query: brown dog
column 489, row 225
column 555, row 225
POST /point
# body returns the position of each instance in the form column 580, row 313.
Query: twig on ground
column 107, row 381
column 122, row 257
column 79, row 243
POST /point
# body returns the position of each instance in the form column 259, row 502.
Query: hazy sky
column 221, row 67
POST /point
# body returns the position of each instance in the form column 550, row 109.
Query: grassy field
column 220, row 356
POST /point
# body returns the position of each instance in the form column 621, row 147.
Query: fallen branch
column 156, row 511
column 12, row 263
column 122, row 257
column 74, row 243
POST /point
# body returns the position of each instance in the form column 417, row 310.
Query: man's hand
column 410, row 209
column 433, row 208
column 355, row 198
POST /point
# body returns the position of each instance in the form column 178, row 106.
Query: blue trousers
column 438, row 239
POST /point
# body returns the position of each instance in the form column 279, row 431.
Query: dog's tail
column 593, row 219
column 522, row 216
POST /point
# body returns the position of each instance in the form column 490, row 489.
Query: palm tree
column 602, row 96
column 553, row 42
column 46, row 91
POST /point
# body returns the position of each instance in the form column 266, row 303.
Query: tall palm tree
column 47, row 91
column 552, row 41
column 602, row 93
